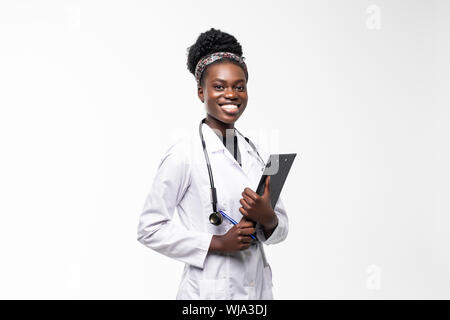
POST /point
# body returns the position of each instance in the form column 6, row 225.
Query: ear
column 200, row 94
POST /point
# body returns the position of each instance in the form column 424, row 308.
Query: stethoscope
column 217, row 216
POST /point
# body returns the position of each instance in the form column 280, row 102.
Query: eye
column 218, row 86
column 240, row 88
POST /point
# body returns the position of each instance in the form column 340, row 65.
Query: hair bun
column 213, row 40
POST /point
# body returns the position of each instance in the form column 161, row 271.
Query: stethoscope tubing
column 213, row 193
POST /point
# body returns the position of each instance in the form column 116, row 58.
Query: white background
column 93, row 93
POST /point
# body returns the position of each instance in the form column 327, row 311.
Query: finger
column 267, row 186
column 249, row 192
column 247, row 224
column 249, row 200
column 244, row 212
column 248, row 220
column 244, row 223
column 244, row 204
column 245, row 239
column 247, row 231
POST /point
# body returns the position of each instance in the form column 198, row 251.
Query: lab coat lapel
column 215, row 145
column 246, row 157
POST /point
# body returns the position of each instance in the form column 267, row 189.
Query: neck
column 219, row 125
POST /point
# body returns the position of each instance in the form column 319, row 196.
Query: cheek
column 211, row 103
column 212, row 95
column 244, row 99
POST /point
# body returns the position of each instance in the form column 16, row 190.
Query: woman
column 224, row 261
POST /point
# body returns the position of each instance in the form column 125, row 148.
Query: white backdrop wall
column 92, row 93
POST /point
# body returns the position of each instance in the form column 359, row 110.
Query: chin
column 229, row 120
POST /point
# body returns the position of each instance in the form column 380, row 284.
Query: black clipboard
column 277, row 168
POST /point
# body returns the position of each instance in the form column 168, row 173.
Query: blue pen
column 232, row 221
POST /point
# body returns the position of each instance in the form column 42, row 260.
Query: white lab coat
column 182, row 182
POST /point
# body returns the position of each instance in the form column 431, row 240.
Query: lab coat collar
column 214, row 144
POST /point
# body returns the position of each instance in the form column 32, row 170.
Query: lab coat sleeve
column 156, row 228
column 281, row 230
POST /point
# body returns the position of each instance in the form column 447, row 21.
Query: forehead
column 225, row 70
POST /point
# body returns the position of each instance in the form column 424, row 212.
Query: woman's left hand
column 258, row 208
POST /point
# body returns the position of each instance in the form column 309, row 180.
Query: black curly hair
column 213, row 40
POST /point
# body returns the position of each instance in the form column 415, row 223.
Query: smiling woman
column 224, row 259
column 225, row 89
column 221, row 73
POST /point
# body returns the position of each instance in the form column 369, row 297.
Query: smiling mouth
column 230, row 106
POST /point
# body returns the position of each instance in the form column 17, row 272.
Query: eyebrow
column 223, row 80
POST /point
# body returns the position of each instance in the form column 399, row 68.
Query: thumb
column 267, row 187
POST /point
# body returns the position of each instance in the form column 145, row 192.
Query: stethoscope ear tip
column 215, row 218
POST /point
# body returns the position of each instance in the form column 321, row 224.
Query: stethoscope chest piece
column 215, row 218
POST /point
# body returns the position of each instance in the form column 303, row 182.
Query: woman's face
column 224, row 91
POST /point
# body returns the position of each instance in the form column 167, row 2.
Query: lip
column 231, row 112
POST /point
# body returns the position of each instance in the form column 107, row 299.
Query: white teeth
column 229, row 106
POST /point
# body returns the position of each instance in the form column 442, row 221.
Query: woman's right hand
column 236, row 239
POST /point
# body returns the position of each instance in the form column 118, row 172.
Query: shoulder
column 180, row 149
column 176, row 153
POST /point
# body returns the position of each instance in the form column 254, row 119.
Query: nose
column 230, row 94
